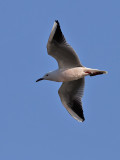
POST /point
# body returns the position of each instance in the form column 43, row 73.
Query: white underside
column 64, row 75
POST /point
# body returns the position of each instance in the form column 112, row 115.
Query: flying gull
column 71, row 72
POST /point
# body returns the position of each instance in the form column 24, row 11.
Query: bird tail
column 94, row 72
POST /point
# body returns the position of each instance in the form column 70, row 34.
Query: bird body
column 71, row 72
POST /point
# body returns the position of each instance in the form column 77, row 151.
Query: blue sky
column 33, row 123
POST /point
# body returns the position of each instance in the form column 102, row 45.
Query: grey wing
column 70, row 94
column 58, row 48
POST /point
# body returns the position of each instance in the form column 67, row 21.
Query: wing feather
column 70, row 94
column 58, row 48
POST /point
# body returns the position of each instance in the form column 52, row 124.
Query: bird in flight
column 71, row 72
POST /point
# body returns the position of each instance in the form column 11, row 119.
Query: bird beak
column 39, row 79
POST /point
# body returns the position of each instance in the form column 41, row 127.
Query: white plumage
column 71, row 72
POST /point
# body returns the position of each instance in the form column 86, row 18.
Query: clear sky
column 33, row 123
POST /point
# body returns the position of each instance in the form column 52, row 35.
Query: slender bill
column 39, row 79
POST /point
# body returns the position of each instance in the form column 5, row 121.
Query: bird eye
column 46, row 74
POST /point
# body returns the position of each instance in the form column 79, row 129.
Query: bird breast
column 71, row 74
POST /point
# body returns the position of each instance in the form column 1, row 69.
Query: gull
column 71, row 72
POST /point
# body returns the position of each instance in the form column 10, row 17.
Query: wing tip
column 55, row 25
column 80, row 119
column 83, row 120
column 77, row 109
column 58, row 35
column 57, row 21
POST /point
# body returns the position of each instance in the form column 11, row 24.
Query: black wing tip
column 57, row 22
column 77, row 108
column 58, row 36
column 83, row 119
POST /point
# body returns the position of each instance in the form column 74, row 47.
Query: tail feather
column 98, row 73
column 94, row 72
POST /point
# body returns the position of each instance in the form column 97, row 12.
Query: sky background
column 33, row 123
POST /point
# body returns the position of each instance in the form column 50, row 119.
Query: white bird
column 71, row 72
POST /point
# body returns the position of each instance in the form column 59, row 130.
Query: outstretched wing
column 70, row 94
column 58, row 48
